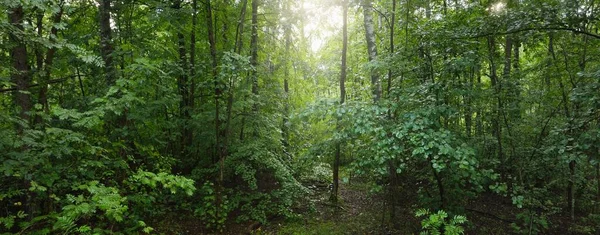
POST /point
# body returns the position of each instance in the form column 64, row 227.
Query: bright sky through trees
column 324, row 21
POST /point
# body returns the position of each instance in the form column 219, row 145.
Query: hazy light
column 497, row 8
column 323, row 22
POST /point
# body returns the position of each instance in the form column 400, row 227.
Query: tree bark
column 496, row 127
column 239, row 44
column 371, row 47
column 182, row 84
column 47, row 67
column 106, row 45
column 286, row 88
column 567, row 113
column 440, row 185
column 240, row 28
column 338, row 153
column 192, row 89
column 22, row 75
column 392, row 24
column 254, row 54
column 220, row 146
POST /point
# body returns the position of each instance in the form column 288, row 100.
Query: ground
column 361, row 211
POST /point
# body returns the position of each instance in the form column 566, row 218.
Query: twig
column 489, row 215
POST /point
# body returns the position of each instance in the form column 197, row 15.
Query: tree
column 371, row 47
column 338, row 146
column 18, row 53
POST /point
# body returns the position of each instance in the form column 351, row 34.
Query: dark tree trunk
column 106, row 45
column 240, row 28
column 239, row 42
column 47, row 68
column 338, row 153
column 392, row 24
column 22, row 74
column 286, row 89
column 192, row 89
column 496, row 127
column 567, row 113
column 440, row 186
column 182, row 86
column 220, row 146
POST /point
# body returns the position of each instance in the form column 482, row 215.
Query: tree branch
column 576, row 31
column 58, row 80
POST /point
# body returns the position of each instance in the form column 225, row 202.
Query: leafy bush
column 439, row 223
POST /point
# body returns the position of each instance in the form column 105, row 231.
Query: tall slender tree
column 369, row 25
column 338, row 145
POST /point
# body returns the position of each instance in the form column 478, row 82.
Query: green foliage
column 207, row 210
column 102, row 136
column 441, row 223
column 530, row 223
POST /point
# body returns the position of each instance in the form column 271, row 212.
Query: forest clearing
column 300, row 117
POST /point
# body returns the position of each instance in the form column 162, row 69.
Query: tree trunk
column 254, row 54
column 371, row 47
column 440, row 185
column 22, row 76
column 468, row 104
column 192, row 89
column 597, row 153
column 392, row 24
column 496, row 127
column 286, row 89
column 50, row 57
column 392, row 175
column 240, row 28
column 516, row 88
column 106, row 45
column 336, row 162
column 565, row 103
column 182, row 86
column 220, row 146
column 239, row 44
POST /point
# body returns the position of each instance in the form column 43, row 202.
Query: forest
column 299, row 117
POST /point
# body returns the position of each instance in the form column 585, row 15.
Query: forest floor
column 362, row 212
column 358, row 212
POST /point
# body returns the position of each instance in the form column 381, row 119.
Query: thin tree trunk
column 336, row 162
column 254, row 64
column 516, row 102
column 254, row 54
column 240, row 28
column 286, row 89
column 391, row 165
column 565, row 102
column 47, row 68
column 239, row 44
column 597, row 153
column 192, row 89
column 440, row 185
column 468, row 104
column 220, row 147
column 506, row 76
column 392, row 24
column 496, row 127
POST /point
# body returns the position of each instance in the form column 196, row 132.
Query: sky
column 325, row 19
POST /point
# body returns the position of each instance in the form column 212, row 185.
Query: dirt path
column 358, row 212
